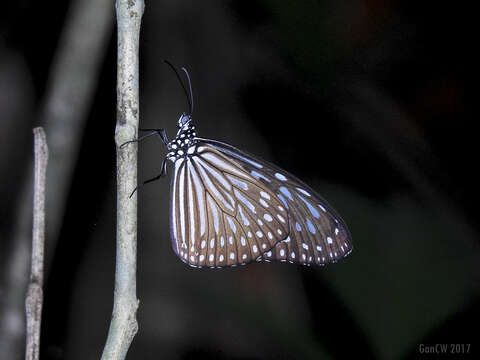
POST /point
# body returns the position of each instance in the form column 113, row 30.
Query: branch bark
column 123, row 326
column 34, row 300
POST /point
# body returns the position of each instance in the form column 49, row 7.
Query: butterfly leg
column 160, row 132
column 162, row 174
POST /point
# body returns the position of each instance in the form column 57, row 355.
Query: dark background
column 370, row 102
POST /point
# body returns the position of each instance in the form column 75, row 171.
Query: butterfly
column 230, row 208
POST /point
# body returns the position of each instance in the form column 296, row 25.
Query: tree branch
column 34, row 300
column 123, row 326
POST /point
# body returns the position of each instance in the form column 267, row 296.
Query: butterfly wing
column 316, row 234
column 221, row 214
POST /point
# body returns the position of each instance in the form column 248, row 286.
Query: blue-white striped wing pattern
column 230, row 208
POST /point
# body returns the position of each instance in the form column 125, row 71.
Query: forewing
column 221, row 214
column 316, row 235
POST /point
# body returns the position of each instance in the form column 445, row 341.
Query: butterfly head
column 184, row 120
column 186, row 129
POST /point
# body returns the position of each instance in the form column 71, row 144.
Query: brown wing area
column 316, row 237
column 317, row 234
column 221, row 215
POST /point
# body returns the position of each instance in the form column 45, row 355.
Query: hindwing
column 316, row 235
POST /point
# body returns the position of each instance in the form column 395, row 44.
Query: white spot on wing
column 232, row 225
column 310, row 226
column 304, row 192
column 265, row 195
column 258, row 176
column 242, row 215
column 313, row 211
column 286, row 192
column 282, row 199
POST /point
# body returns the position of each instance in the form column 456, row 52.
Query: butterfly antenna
column 181, row 83
column 189, row 88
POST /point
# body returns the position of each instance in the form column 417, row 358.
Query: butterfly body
column 183, row 144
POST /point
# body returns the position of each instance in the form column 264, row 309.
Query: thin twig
column 71, row 84
column 34, row 300
column 123, row 326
